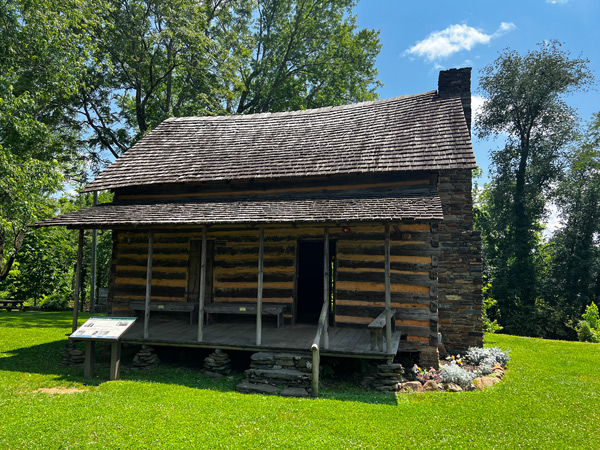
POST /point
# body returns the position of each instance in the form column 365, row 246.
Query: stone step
column 279, row 374
column 294, row 392
column 246, row 387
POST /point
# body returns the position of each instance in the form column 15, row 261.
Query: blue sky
column 420, row 38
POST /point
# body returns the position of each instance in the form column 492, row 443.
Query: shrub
column 489, row 326
column 588, row 329
column 57, row 301
column 488, row 356
column 453, row 373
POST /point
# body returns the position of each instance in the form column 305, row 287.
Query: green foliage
column 44, row 266
column 57, row 301
column 489, row 326
column 26, row 186
column 588, row 329
column 306, row 54
column 573, row 278
column 524, row 101
column 41, row 60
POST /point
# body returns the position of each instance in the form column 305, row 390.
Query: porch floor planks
column 343, row 341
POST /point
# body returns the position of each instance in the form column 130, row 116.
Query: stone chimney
column 457, row 83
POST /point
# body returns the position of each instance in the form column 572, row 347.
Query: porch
column 346, row 342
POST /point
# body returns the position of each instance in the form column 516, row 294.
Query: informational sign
column 111, row 328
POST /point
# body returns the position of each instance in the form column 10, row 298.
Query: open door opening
column 309, row 299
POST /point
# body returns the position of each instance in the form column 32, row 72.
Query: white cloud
column 476, row 105
column 455, row 38
column 557, row 2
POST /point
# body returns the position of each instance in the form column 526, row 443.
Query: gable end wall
column 459, row 275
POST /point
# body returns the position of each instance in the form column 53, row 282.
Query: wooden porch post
column 326, row 281
column 93, row 268
column 202, row 286
column 388, row 292
column 148, row 283
column 77, row 281
column 259, row 298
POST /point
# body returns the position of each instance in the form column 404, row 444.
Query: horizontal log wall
column 283, row 187
column 236, row 265
column 169, row 267
column 360, row 278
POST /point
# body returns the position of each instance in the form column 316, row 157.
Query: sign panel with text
column 110, row 328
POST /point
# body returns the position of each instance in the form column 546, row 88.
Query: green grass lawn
column 549, row 398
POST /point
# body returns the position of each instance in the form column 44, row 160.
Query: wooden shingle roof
column 417, row 132
column 385, row 205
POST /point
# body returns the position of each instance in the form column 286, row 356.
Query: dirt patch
column 60, row 390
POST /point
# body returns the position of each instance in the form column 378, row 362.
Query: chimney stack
column 457, row 83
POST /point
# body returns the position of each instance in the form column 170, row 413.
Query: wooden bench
column 102, row 300
column 10, row 304
column 376, row 329
column 268, row 309
column 167, row 307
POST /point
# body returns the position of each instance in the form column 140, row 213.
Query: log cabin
column 347, row 230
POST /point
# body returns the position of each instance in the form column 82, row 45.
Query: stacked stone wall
column 459, row 274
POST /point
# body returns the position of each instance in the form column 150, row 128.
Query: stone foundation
column 72, row 356
column 145, row 358
column 388, row 378
column 218, row 363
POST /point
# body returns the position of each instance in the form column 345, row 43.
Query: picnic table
column 10, row 304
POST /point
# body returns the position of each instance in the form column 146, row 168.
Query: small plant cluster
column 425, row 375
column 588, row 329
column 453, row 373
column 486, row 358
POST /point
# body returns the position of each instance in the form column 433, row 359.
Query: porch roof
column 366, row 206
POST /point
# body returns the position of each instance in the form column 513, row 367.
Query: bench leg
column 380, row 339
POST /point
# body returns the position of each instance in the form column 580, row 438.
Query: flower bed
column 477, row 369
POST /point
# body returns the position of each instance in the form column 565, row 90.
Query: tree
column 524, row 102
column 156, row 59
column 574, row 266
column 306, row 54
column 25, row 190
column 41, row 56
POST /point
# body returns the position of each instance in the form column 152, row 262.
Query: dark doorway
column 309, row 299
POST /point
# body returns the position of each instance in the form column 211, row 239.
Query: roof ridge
column 300, row 111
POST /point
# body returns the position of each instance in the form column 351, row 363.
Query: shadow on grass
column 45, row 359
